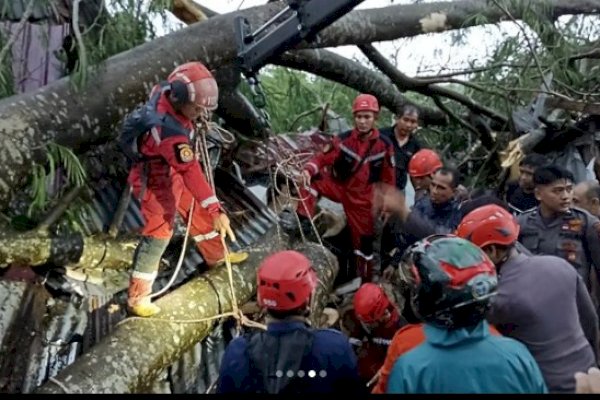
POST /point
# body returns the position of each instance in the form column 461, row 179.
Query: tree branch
column 404, row 82
column 339, row 69
column 486, row 139
column 26, row 14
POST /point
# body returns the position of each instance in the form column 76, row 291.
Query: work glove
column 222, row 225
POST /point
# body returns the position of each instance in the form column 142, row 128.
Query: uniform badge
column 184, row 152
column 575, row 225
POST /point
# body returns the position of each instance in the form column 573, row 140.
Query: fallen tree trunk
column 137, row 351
column 37, row 248
column 78, row 118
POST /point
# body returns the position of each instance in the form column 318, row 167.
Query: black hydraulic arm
column 300, row 20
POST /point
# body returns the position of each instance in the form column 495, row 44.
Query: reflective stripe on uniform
column 207, row 236
column 361, row 254
column 350, row 152
column 147, row 276
column 375, row 157
column 208, row 201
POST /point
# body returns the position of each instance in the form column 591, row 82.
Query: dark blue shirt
column 329, row 367
column 402, row 154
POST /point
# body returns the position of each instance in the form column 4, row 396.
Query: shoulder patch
column 184, row 152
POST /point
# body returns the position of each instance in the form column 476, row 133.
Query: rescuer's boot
column 234, row 258
column 138, row 298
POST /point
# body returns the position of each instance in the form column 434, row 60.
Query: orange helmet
column 489, row 224
column 286, row 280
column 370, row 303
column 424, row 162
column 365, row 102
column 193, row 83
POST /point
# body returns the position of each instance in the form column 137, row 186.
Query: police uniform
column 573, row 236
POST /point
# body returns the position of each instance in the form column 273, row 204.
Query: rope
column 59, row 384
column 201, row 148
column 181, row 255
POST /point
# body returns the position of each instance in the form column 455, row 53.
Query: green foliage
column 127, row 26
column 295, row 100
column 62, row 171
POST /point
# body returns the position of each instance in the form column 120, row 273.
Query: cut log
column 35, row 248
column 138, row 350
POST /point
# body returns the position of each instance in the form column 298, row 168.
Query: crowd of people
column 465, row 292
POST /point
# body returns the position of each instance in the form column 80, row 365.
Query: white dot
column 312, row 373
column 279, row 374
column 290, row 373
column 322, row 373
column 301, row 374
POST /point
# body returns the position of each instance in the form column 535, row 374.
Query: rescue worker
column 452, row 282
column 542, row 301
column 371, row 323
column 421, row 167
column 402, row 137
column 556, row 228
column 440, row 207
column 171, row 178
column 437, row 212
column 520, row 193
column 346, row 172
column 289, row 357
column 586, row 195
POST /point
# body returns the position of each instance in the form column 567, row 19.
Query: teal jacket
column 466, row 361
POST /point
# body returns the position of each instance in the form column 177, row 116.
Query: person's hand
column 305, row 179
column 222, row 225
column 389, row 200
column 588, row 383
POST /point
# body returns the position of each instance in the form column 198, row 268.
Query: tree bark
column 350, row 73
column 37, row 248
column 81, row 117
column 133, row 356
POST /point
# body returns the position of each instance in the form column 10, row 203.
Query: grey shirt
column 543, row 303
column 573, row 236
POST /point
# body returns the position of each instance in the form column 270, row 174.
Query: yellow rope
column 201, row 148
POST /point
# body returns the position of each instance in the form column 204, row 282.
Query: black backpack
column 141, row 120
column 272, row 356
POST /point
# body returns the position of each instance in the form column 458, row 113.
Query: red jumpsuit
column 372, row 160
column 172, row 182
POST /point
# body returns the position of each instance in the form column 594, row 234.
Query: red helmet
column 365, row 102
column 370, row 303
column 193, row 83
column 489, row 224
column 424, row 162
column 286, row 280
